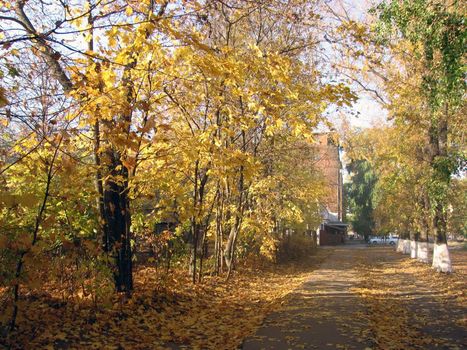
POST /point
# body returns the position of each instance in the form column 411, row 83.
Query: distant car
column 391, row 240
column 376, row 240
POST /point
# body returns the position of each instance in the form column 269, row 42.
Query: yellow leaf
column 3, row 100
column 129, row 11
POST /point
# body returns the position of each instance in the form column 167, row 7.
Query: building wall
column 329, row 164
column 329, row 236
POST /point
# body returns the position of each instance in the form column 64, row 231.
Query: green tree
column 359, row 193
column 457, row 217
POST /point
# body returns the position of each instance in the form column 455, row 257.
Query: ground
column 371, row 298
column 346, row 297
column 166, row 311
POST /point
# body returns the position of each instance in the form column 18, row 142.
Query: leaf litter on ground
column 165, row 311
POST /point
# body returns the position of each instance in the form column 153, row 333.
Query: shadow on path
column 412, row 306
column 323, row 314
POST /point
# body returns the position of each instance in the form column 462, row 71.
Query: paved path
column 400, row 305
column 415, row 307
column 323, row 314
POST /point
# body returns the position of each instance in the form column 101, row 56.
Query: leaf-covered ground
column 359, row 298
column 412, row 307
column 164, row 312
column 371, row 298
column 323, row 314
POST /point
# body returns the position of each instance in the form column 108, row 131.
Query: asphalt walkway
column 371, row 298
column 323, row 314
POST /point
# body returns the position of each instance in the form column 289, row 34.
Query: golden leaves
column 27, row 199
column 165, row 308
column 3, row 99
column 405, row 295
column 129, row 10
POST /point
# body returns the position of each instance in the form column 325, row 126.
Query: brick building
column 332, row 230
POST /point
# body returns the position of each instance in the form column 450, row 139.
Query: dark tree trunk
column 219, row 231
column 117, row 235
column 194, row 226
column 441, row 176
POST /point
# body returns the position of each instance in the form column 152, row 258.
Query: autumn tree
column 121, row 115
column 85, row 84
column 437, row 35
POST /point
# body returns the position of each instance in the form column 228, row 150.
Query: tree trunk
column 441, row 256
column 99, row 182
column 314, row 235
column 117, row 235
column 229, row 252
column 413, row 245
column 197, row 227
column 194, row 226
column 422, row 246
column 438, row 140
column 400, row 245
column 423, row 226
column 218, row 243
column 203, row 243
column 406, row 246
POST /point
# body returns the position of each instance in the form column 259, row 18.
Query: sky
column 370, row 111
column 366, row 112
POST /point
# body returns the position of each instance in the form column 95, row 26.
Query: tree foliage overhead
column 435, row 31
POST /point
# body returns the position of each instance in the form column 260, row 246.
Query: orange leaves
column 129, row 163
column 21, row 242
column 164, row 308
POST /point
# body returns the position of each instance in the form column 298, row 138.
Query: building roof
column 336, row 225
